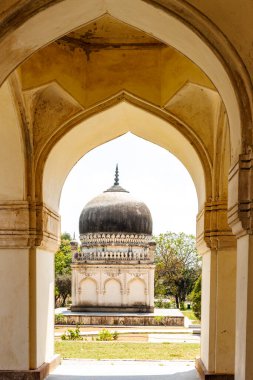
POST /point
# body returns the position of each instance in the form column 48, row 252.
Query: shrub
column 160, row 320
column 106, row 335
column 60, row 319
column 196, row 298
column 161, row 304
column 72, row 334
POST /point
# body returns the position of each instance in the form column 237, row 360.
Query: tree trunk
column 177, row 301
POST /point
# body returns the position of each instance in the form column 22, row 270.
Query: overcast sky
column 149, row 172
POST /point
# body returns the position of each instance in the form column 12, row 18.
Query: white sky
column 149, row 172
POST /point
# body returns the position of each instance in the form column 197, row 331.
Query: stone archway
column 38, row 223
column 108, row 124
column 121, row 118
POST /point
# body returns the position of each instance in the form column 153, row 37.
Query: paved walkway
column 155, row 335
column 173, row 338
column 124, row 370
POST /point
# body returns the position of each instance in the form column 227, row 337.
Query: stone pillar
column 241, row 221
column 244, row 309
column 14, row 310
column 218, row 249
column 27, row 289
column 41, row 307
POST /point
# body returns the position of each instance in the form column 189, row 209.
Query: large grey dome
column 115, row 210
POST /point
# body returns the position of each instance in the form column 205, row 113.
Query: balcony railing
column 116, row 255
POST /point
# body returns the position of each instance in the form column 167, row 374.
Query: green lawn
column 190, row 315
column 120, row 350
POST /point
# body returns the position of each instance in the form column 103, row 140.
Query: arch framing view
column 176, row 76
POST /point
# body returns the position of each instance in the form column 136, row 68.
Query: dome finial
column 116, row 178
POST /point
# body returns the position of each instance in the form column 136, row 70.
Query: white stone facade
column 113, row 272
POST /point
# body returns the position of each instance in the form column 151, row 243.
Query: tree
column 177, row 265
column 63, row 259
column 63, row 256
column 196, row 298
column 63, row 286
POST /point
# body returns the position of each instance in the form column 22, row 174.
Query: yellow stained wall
column 176, row 71
column 152, row 74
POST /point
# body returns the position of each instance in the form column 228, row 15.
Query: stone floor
column 124, row 370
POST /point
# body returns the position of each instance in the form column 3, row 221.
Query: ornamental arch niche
column 137, row 291
column 88, row 291
column 113, row 286
column 27, row 30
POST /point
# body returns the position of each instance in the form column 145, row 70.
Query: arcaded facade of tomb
column 114, row 269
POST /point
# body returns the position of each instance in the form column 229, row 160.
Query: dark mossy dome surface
column 115, row 210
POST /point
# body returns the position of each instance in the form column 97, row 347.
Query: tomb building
column 114, row 268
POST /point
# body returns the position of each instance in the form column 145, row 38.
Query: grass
column 120, row 350
column 191, row 316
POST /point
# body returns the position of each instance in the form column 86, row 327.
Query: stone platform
column 160, row 317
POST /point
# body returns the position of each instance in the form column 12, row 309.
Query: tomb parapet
column 114, row 255
column 90, row 239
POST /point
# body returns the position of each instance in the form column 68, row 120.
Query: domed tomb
column 116, row 259
column 115, row 210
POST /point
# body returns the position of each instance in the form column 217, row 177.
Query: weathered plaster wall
column 155, row 74
column 12, row 166
column 157, row 23
column 44, row 306
column 235, row 20
column 14, row 310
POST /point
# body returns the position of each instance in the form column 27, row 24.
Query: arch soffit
column 105, row 122
column 188, row 31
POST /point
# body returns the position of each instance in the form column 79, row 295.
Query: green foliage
column 60, row 319
column 72, row 334
column 160, row 320
column 63, row 259
column 161, row 304
column 106, row 335
column 177, row 265
column 196, row 298
column 65, row 236
column 63, row 287
column 190, row 314
column 63, row 256
column 182, row 306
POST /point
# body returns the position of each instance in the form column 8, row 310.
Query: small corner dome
column 116, row 211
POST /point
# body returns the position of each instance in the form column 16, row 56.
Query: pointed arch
column 118, row 115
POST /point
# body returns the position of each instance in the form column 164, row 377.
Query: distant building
column 114, row 270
